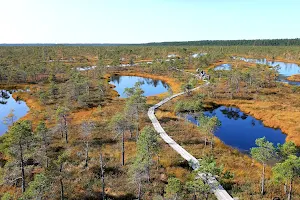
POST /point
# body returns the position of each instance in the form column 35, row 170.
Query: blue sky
column 137, row 21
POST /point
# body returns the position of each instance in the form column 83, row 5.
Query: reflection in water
column 8, row 103
column 4, row 96
column 232, row 113
column 252, row 122
column 223, row 67
column 150, row 86
column 240, row 130
column 196, row 55
column 283, row 79
column 284, row 69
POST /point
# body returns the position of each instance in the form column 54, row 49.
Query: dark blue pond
column 150, row 86
column 240, row 130
column 7, row 103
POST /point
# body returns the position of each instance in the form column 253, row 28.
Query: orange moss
column 178, row 172
column 295, row 77
column 280, row 59
column 144, row 60
column 34, row 105
column 31, row 101
column 11, row 190
column 80, row 116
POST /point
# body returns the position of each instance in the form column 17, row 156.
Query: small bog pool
column 7, row 103
column 284, row 69
column 223, row 67
column 150, row 86
column 240, row 130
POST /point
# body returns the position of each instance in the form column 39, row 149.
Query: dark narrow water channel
column 240, row 130
column 7, row 103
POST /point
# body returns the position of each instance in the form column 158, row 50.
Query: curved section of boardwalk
column 218, row 190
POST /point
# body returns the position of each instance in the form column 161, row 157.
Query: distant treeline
column 270, row 42
column 62, row 44
column 267, row 42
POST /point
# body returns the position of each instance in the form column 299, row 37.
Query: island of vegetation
column 295, row 77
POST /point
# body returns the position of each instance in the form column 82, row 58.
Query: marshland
column 87, row 132
column 149, row 100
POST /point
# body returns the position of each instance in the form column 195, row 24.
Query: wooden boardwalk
column 215, row 186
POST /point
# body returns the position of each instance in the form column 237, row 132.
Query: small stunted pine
column 20, row 140
column 287, row 172
column 147, row 147
column 208, row 125
column 263, row 153
column 118, row 125
column 173, row 188
column 135, row 104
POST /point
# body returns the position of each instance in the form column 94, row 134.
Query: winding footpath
column 215, row 186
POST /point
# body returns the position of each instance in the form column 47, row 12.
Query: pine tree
column 173, row 188
column 118, row 124
column 263, row 153
column 287, row 171
column 44, row 138
column 20, row 141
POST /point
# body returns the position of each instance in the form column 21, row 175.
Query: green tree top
column 265, row 150
column 148, row 142
column 21, row 132
column 208, row 165
column 287, row 170
column 208, row 124
column 173, row 188
column 37, row 188
column 288, row 148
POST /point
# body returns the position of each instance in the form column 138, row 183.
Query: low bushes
column 188, row 106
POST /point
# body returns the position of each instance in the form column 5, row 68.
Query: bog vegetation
column 272, row 42
column 80, row 141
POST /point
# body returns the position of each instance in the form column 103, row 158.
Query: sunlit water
column 223, row 67
column 240, row 130
column 7, row 104
column 284, row 69
column 149, row 86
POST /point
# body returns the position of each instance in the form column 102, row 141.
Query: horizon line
column 144, row 42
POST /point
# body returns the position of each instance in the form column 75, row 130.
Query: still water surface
column 150, row 86
column 225, row 66
column 284, row 69
column 240, row 130
column 7, row 103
